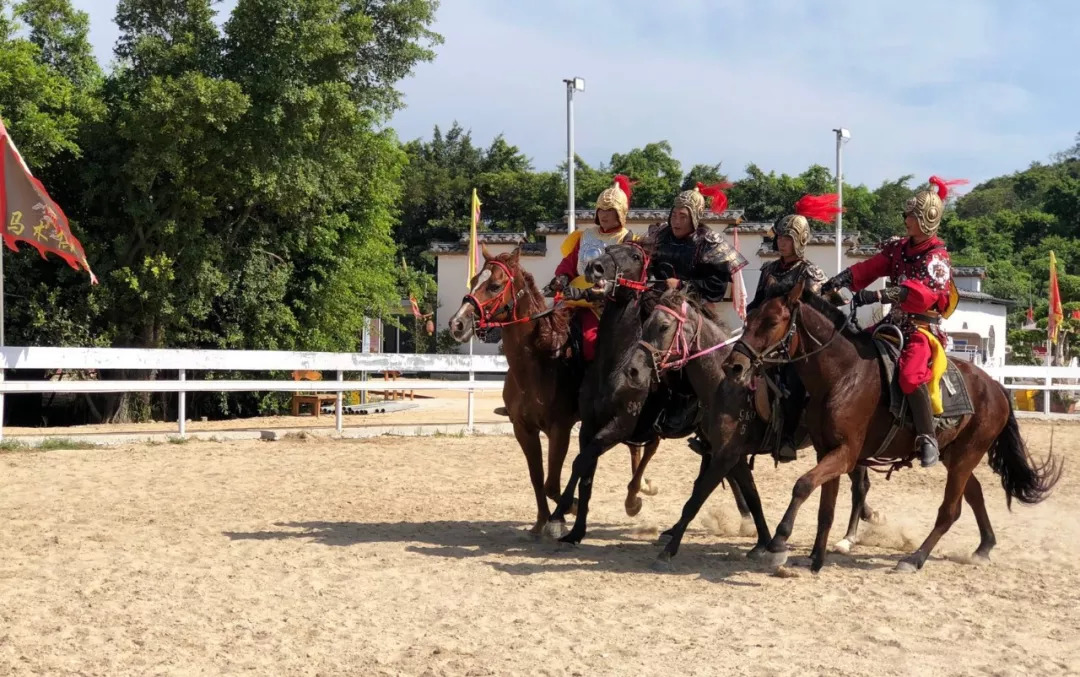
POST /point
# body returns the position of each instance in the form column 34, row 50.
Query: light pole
column 572, row 84
column 842, row 136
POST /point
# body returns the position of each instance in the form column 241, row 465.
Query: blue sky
column 961, row 88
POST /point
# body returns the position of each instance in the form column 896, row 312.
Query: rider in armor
column 921, row 292
column 789, row 238
column 581, row 247
column 689, row 255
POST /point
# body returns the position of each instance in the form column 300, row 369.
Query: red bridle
column 640, row 284
column 503, row 302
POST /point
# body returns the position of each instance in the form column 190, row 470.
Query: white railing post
column 1048, row 392
column 181, row 406
column 339, row 408
column 1, row 402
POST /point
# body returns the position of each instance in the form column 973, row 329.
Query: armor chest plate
column 679, row 254
column 593, row 243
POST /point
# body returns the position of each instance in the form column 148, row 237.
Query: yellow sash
column 938, row 364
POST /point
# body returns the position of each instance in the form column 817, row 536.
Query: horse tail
column 1021, row 477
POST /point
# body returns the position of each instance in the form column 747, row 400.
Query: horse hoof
column 980, row 560
column 662, row 564
column 758, row 554
column 843, row 547
column 747, row 527
column 904, row 567
column 567, row 545
column 776, row 559
column 633, row 506
column 555, row 530
column 648, row 488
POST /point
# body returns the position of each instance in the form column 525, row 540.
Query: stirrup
column 781, row 457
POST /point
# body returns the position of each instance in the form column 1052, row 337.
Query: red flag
column 415, row 307
column 1075, row 315
column 1056, row 313
column 30, row 215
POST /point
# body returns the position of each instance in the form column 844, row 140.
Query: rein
column 784, row 347
column 678, row 352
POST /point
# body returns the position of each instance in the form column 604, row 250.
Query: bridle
column 679, row 350
column 783, row 351
column 639, row 285
column 503, row 302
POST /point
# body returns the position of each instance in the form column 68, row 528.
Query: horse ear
column 514, row 256
column 796, row 292
column 485, row 253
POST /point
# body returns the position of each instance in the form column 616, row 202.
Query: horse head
column 769, row 335
column 667, row 335
column 491, row 300
column 623, row 265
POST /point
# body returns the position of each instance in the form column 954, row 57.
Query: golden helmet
column 694, row 200
column 617, row 197
column 928, row 206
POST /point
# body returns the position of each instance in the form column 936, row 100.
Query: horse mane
column 815, row 301
column 552, row 330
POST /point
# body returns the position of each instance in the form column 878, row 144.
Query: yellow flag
column 474, row 249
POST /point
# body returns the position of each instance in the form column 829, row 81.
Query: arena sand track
column 407, row 557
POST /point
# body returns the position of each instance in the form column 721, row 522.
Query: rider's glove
column 558, row 283
column 840, row 281
column 866, row 297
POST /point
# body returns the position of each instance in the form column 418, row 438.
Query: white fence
column 1014, row 377
column 183, row 361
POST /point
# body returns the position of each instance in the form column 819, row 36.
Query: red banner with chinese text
column 30, row 215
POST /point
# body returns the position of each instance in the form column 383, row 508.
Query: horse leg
column 584, row 468
column 704, row 484
column 534, row 456
column 860, row 485
column 665, row 536
column 742, row 479
column 832, row 465
column 558, row 444
column 556, row 526
column 826, row 512
column 947, row 515
column 974, row 496
column 747, row 524
column 633, row 501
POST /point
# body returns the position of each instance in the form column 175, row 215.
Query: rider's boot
column 501, row 411
column 922, row 415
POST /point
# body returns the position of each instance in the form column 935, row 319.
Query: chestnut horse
column 542, row 385
column 850, row 421
column 678, row 335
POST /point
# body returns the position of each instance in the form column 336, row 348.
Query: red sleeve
column 865, row 273
column 920, row 298
column 568, row 266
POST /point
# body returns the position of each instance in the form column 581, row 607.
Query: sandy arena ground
column 400, row 556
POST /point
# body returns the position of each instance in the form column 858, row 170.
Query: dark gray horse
column 678, row 335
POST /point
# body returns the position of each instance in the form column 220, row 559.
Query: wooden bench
column 315, row 400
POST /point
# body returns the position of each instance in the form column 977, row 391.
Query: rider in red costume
column 920, row 290
column 583, row 246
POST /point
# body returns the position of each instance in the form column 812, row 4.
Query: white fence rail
column 1013, row 377
column 184, row 361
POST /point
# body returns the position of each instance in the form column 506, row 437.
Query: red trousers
column 914, row 362
column 590, row 327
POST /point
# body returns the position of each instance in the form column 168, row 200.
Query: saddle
column 955, row 398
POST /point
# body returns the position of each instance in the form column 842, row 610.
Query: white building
column 979, row 319
column 976, row 328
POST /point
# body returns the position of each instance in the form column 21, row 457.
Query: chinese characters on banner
column 29, row 213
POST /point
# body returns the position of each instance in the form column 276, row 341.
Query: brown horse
column 678, row 335
column 850, row 421
column 542, row 385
